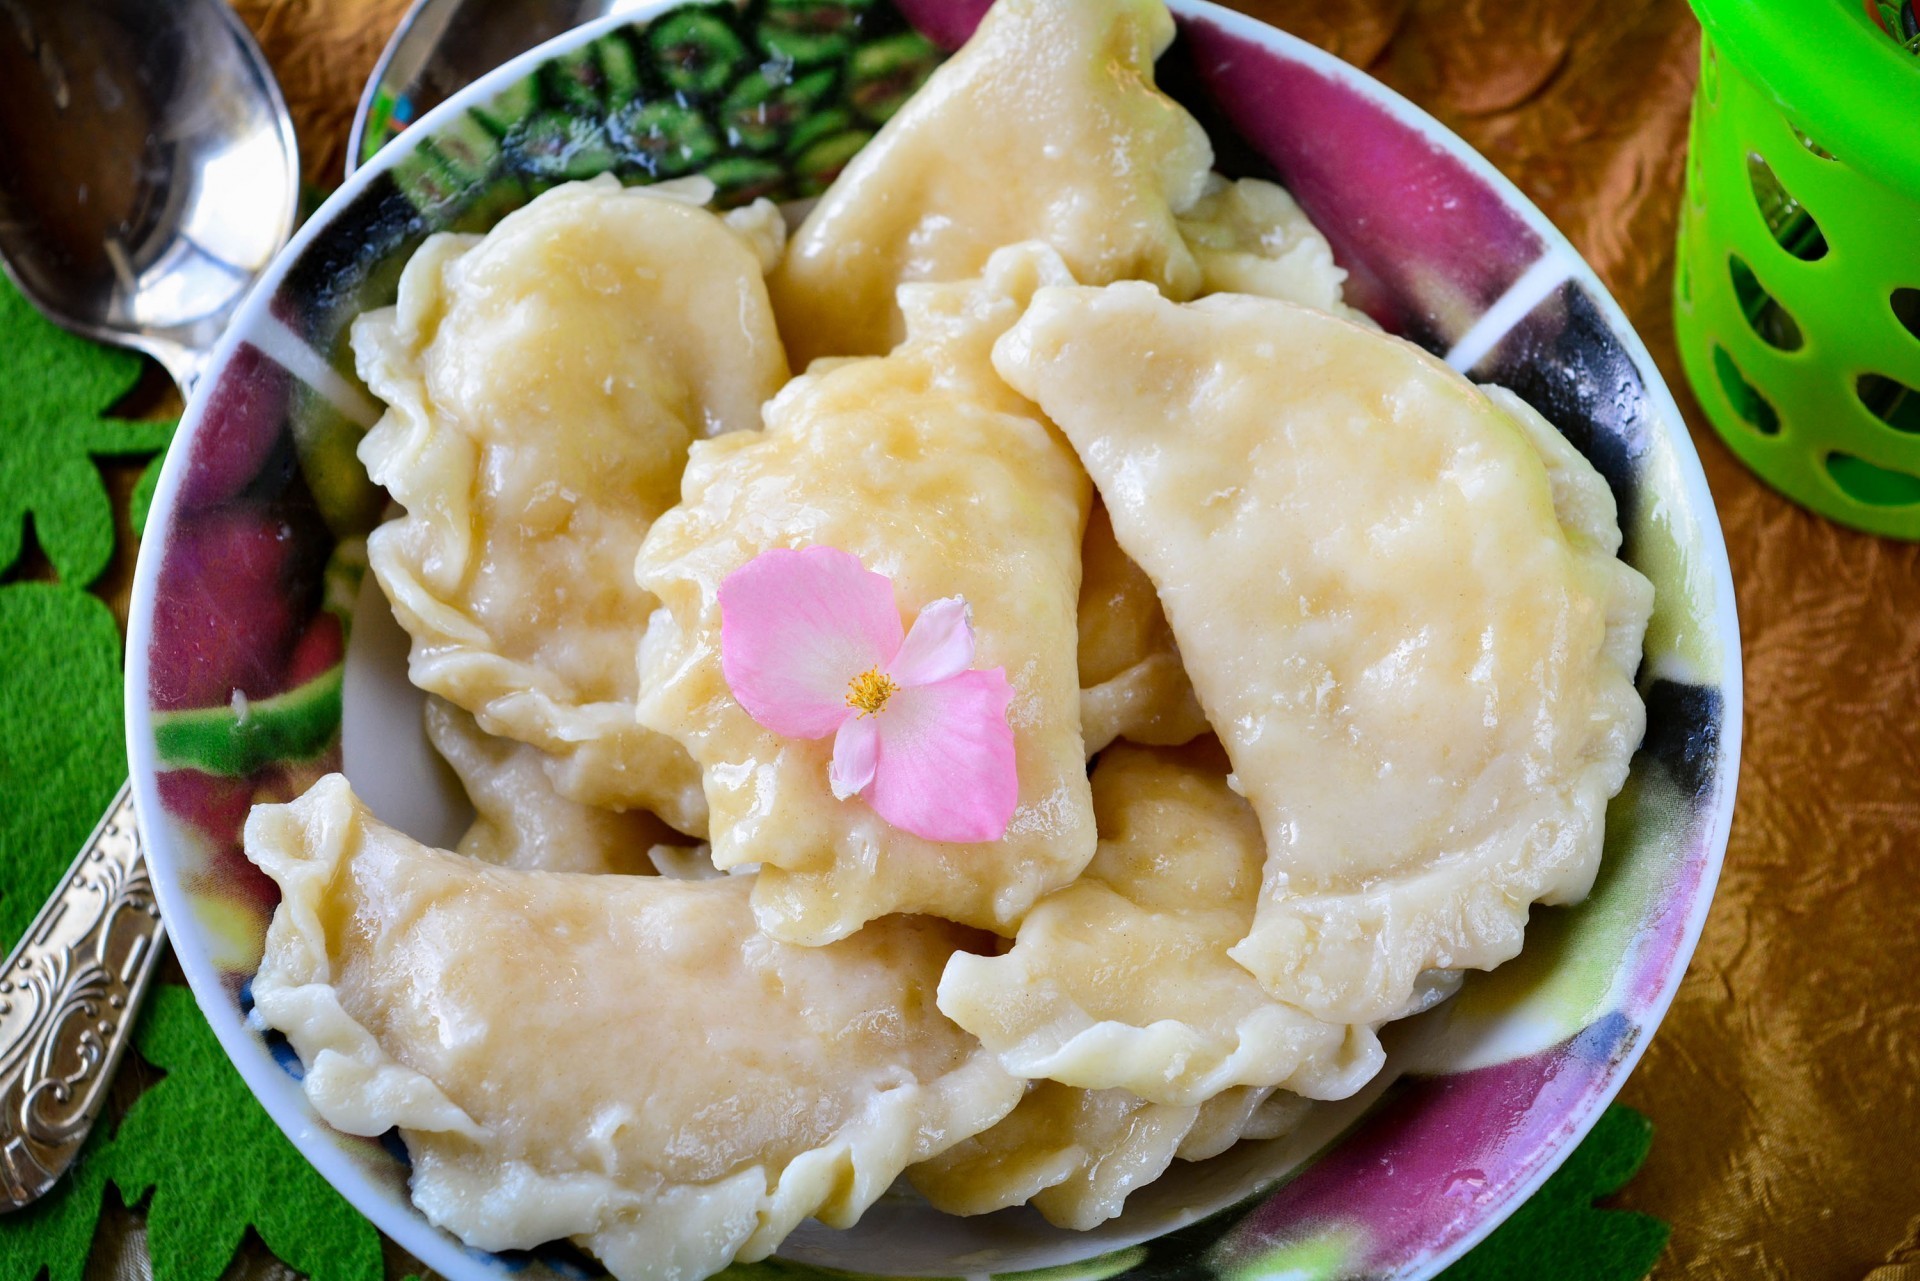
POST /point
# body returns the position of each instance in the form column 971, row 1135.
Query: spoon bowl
column 148, row 169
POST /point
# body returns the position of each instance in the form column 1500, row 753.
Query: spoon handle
column 69, row 995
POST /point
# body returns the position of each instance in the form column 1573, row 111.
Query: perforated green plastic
column 1797, row 288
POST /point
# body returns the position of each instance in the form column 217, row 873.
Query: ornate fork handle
column 68, row 998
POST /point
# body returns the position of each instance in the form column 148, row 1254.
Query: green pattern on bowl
column 770, row 100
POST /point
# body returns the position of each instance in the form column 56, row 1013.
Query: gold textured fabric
column 322, row 51
column 1784, row 1083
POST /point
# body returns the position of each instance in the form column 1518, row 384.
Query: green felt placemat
column 208, row 1163
column 55, row 405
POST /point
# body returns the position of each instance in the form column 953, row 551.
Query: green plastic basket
column 1797, row 290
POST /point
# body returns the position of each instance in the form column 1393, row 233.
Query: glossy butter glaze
column 929, row 471
column 1441, row 701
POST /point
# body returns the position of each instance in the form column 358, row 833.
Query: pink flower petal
column 795, row 628
column 946, row 768
column 856, row 750
column 938, row 645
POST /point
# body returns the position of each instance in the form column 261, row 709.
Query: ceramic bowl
column 261, row 656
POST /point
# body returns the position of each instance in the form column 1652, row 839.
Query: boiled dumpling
column 1132, row 683
column 718, row 1086
column 1251, row 237
column 1046, row 126
column 686, row 862
column 1073, row 1154
column 520, row 821
column 1122, row 979
column 1243, row 1114
column 1424, row 681
column 929, row 470
column 1076, row 1155
column 543, row 385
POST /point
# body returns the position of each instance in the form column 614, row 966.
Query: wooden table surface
column 1782, row 1085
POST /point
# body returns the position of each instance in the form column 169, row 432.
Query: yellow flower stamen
column 870, row 690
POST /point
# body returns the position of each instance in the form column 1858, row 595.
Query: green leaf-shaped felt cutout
column 216, row 1165
column 62, row 753
column 1560, row 1233
column 52, row 400
column 53, row 1236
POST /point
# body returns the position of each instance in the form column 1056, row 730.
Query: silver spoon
column 148, row 175
column 442, row 46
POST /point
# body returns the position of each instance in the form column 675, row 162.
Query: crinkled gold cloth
column 1784, row 1082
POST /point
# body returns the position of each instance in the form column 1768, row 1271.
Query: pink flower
column 811, row 645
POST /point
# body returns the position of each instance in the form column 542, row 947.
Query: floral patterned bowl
column 248, row 678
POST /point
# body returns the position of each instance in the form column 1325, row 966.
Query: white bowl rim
column 281, row 1095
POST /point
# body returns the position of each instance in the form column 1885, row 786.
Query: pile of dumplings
column 1322, row 661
